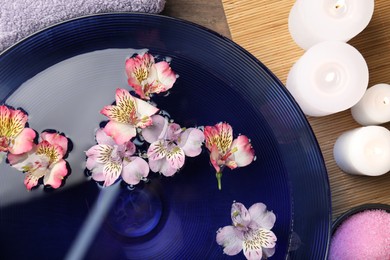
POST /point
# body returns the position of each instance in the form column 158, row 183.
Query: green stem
column 219, row 176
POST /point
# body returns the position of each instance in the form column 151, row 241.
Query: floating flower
column 224, row 151
column 128, row 114
column 148, row 77
column 107, row 161
column 15, row 138
column 169, row 144
column 251, row 232
column 44, row 160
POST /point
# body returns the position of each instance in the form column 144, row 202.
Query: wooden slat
column 261, row 27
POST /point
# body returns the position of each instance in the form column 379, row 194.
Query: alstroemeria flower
column 44, row 160
column 169, row 144
column 148, row 77
column 107, row 161
column 15, row 138
column 128, row 114
column 224, row 151
column 251, row 232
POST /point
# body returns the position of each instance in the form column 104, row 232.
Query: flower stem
column 219, row 176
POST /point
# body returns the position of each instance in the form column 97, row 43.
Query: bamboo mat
column 261, row 27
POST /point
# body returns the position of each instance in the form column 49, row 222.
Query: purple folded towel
column 20, row 18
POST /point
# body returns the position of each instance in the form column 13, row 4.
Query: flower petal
column 134, row 170
column 161, row 77
column 56, row 174
column 103, row 138
column 157, row 130
column 191, row 141
column 56, row 139
column 231, row 239
column 221, row 135
column 111, row 171
column 240, row 216
column 144, row 112
column 23, row 142
column 261, row 217
column 162, row 166
column 31, row 179
column 157, row 150
column 52, row 152
column 176, row 157
column 268, row 252
column 100, row 153
column 214, row 158
column 16, row 121
column 5, row 115
column 97, row 173
column 173, row 132
column 121, row 133
column 243, row 152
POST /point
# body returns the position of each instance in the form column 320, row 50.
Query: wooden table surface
column 260, row 26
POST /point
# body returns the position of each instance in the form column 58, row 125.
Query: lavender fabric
column 20, row 18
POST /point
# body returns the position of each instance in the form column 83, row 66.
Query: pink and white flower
column 128, row 114
column 147, row 77
column 224, row 151
column 250, row 232
column 44, row 160
column 169, row 144
column 15, row 138
column 107, row 161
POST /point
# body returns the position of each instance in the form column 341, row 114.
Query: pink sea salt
column 364, row 235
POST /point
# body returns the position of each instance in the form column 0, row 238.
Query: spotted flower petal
column 231, row 239
column 56, row 139
column 134, row 170
column 111, row 171
column 137, row 70
column 157, row 150
column 175, row 157
column 240, row 216
column 14, row 137
column 191, row 141
column 255, row 241
column 56, row 174
column 221, row 135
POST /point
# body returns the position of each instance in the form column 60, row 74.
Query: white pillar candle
column 364, row 151
column 374, row 107
column 330, row 77
column 314, row 21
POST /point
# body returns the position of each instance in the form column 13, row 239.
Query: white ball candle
column 330, row 77
column 364, row 151
column 314, row 21
column 374, row 107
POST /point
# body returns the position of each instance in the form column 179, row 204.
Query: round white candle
column 364, row 151
column 314, row 21
column 330, row 77
column 374, row 107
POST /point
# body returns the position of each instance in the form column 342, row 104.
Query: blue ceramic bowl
column 61, row 77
